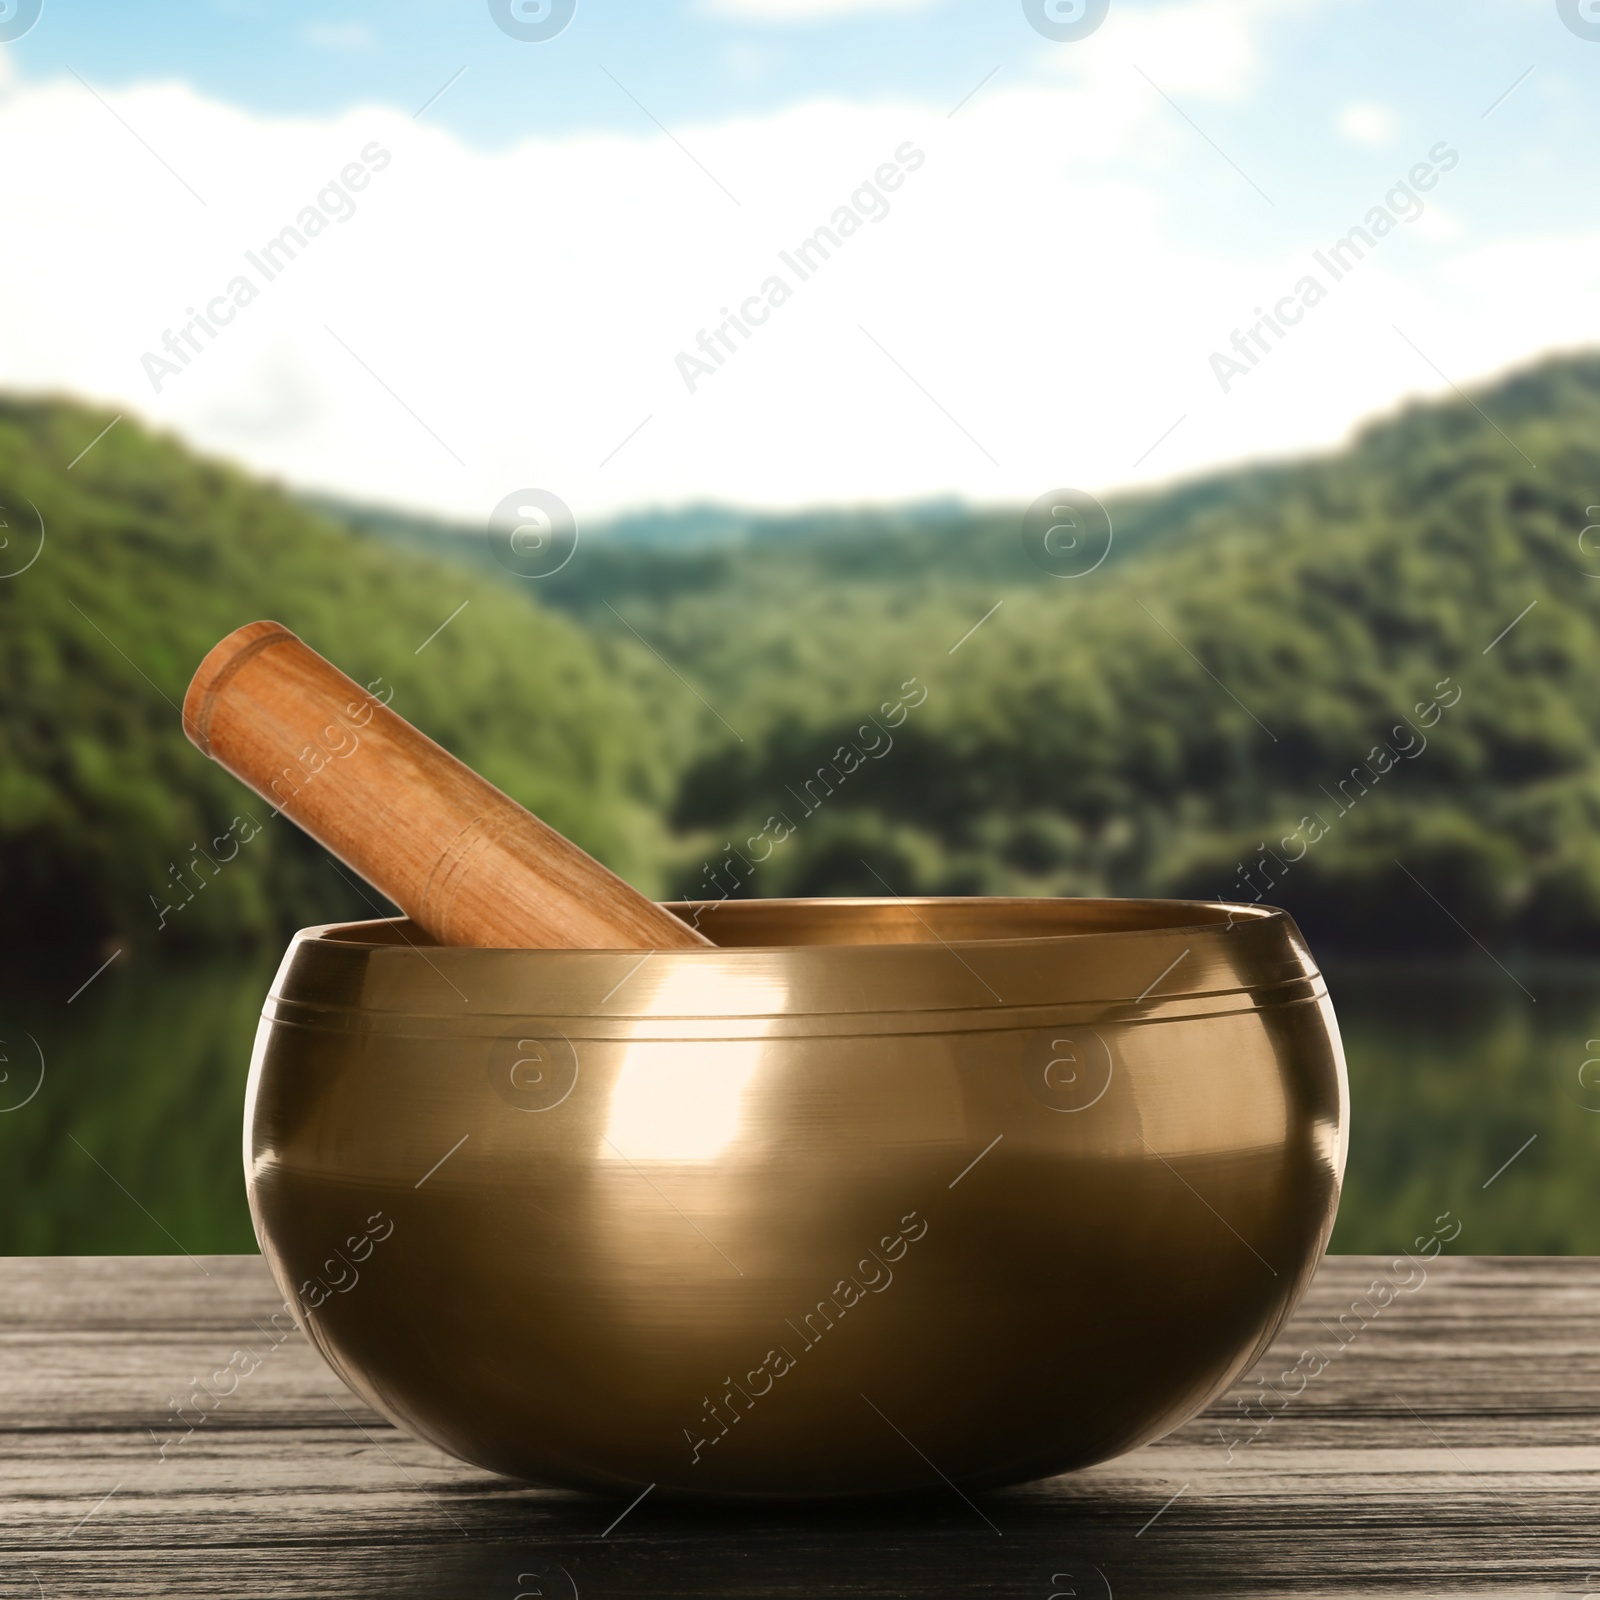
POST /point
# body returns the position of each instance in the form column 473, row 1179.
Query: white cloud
column 1373, row 127
column 1207, row 49
column 802, row 10
column 1438, row 226
column 1038, row 309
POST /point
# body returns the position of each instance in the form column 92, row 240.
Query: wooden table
column 1450, row 1445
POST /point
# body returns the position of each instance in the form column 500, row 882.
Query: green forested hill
column 1154, row 725
column 1149, row 727
column 1238, row 683
column 149, row 556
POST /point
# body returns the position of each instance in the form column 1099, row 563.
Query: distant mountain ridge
column 715, row 525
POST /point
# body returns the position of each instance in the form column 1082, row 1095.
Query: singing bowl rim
column 960, row 957
column 1201, row 917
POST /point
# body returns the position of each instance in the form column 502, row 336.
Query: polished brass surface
column 875, row 1193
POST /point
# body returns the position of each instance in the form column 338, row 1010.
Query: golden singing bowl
column 875, row 1194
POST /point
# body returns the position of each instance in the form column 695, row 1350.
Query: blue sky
column 697, row 61
column 566, row 216
column 686, row 62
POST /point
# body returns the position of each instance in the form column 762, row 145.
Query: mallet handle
column 462, row 860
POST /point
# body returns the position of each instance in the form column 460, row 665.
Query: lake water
column 130, row 1143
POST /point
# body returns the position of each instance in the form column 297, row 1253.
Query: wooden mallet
column 465, row 862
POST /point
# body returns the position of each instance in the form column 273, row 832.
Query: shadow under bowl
column 874, row 1194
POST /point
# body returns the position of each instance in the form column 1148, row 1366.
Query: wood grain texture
column 463, row 860
column 1451, row 1445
